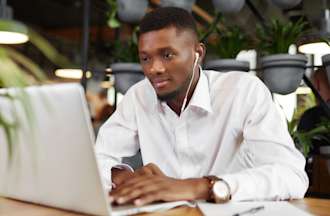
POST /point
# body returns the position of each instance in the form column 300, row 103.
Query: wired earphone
column 192, row 78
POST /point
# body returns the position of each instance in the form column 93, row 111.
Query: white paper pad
column 232, row 208
column 156, row 207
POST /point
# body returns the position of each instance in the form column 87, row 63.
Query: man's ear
column 201, row 50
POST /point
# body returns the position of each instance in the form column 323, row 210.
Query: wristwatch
column 219, row 190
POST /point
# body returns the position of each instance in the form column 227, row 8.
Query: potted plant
column 304, row 139
column 126, row 69
column 231, row 42
column 282, row 72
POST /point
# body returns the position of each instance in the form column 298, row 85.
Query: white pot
column 185, row 4
column 126, row 75
column 226, row 65
column 228, row 6
column 282, row 73
column 286, row 4
column 131, row 11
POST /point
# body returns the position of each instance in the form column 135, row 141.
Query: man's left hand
column 145, row 189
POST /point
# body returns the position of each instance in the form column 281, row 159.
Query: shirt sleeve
column 267, row 165
column 117, row 138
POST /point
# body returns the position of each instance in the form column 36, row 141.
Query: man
column 197, row 130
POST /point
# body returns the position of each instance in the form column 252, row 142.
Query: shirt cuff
column 121, row 167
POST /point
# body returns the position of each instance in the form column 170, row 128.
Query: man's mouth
column 160, row 83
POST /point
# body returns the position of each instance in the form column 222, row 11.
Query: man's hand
column 121, row 175
column 149, row 184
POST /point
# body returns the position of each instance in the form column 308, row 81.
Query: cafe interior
column 94, row 43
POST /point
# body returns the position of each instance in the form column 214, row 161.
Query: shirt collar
column 201, row 96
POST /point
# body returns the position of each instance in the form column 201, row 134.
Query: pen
column 250, row 211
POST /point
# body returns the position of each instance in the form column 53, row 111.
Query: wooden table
column 9, row 207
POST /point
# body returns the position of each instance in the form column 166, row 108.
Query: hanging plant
column 125, row 51
column 277, row 36
column 281, row 72
column 231, row 42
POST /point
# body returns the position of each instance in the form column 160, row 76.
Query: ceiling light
column 72, row 73
column 303, row 90
column 315, row 48
column 11, row 32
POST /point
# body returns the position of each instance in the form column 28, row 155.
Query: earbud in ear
column 196, row 58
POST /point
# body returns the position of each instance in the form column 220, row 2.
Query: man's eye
column 168, row 55
column 144, row 59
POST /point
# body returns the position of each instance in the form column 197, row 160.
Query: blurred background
column 94, row 42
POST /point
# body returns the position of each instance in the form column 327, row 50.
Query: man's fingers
column 155, row 169
column 138, row 182
column 136, row 193
column 148, row 198
column 150, row 169
column 120, row 175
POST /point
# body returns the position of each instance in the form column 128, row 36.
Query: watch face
column 220, row 190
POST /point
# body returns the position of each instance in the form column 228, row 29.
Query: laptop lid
column 54, row 163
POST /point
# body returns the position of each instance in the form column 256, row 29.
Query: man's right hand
column 121, row 175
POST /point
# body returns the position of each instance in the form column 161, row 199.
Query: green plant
column 126, row 51
column 277, row 36
column 231, row 42
column 112, row 19
column 304, row 140
column 17, row 70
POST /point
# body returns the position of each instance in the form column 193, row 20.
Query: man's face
column 167, row 56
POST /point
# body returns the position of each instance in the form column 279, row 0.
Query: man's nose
column 157, row 66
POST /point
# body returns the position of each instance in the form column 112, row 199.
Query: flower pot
column 185, row 4
column 131, row 11
column 286, row 4
column 126, row 75
column 225, row 65
column 325, row 150
column 225, row 6
column 326, row 64
column 282, row 73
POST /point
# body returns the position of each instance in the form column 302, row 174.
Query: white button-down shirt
column 230, row 128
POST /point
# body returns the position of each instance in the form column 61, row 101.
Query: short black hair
column 164, row 17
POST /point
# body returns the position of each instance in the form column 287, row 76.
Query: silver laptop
column 53, row 161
